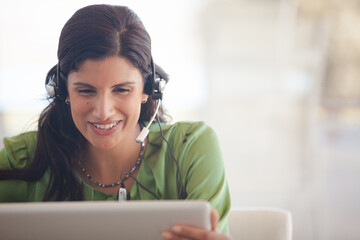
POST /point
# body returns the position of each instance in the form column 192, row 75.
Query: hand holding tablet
column 189, row 232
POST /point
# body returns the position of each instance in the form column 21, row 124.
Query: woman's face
column 105, row 100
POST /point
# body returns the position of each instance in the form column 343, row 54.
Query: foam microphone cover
column 144, row 132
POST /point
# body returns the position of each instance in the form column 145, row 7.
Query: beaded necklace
column 83, row 170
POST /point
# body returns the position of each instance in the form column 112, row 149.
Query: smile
column 105, row 126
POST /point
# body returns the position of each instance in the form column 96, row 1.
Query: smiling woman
column 105, row 98
column 103, row 91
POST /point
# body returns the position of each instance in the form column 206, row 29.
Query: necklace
column 83, row 170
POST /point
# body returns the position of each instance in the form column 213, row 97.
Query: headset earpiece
column 52, row 84
column 157, row 84
column 50, row 90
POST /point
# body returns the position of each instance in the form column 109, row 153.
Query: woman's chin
column 103, row 144
column 102, row 147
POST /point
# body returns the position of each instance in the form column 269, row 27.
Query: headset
column 156, row 92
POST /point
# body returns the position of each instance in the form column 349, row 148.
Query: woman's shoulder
column 181, row 128
column 184, row 131
column 18, row 150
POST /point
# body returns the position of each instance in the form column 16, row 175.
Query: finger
column 214, row 219
column 187, row 232
column 169, row 235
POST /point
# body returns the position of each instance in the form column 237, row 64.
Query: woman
column 101, row 97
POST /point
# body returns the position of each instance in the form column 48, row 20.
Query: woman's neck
column 106, row 165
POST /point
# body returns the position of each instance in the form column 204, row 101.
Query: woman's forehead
column 111, row 69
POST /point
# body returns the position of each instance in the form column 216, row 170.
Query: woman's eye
column 86, row 91
column 122, row 90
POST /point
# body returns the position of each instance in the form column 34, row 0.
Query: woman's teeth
column 105, row 127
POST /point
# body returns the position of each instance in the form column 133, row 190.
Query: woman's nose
column 104, row 107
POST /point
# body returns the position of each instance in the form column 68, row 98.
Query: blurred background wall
column 279, row 81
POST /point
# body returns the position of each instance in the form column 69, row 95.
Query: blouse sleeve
column 16, row 154
column 204, row 170
column 18, row 151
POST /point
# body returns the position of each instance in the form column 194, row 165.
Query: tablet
column 99, row 220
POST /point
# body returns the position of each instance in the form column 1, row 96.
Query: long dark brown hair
column 93, row 32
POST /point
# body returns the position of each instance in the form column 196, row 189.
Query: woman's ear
column 144, row 98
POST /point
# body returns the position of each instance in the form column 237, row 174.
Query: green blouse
column 195, row 147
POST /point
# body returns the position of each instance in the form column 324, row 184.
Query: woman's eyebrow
column 123, row 84
column 83, row 84
column 116, row 85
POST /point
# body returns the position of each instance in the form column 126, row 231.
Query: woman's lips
column 104, row 128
